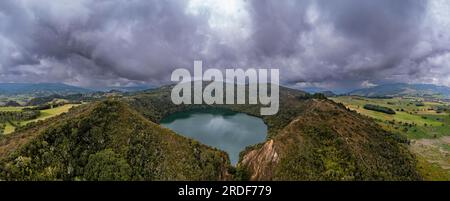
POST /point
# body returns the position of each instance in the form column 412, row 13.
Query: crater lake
column 223, row 129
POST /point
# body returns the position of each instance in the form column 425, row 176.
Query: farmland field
column 43, row 115
column 426, row 127
column 10, row 109
column 50, row 113
column 8, row 128
column 416, row 122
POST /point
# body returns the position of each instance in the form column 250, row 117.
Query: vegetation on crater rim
column 307, row 139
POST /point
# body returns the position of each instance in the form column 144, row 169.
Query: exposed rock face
column 311, row 138
column 261, row 161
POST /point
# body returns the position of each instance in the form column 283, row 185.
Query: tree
column 379, row 108
column 106, row 165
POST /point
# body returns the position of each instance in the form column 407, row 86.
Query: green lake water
column 223, row 129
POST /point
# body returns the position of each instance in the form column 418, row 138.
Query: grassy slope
column 432, row 163
column 433, row 128
column 93, row 141
column 8, row 128
column 330, row 154
column 432, row 171
column 45, row 114
column 10, row 109
column 434, row 157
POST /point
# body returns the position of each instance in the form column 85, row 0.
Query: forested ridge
column 311, row 138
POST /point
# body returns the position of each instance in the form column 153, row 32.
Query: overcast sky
column 330, row 44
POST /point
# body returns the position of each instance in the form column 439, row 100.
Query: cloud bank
column 332, row 44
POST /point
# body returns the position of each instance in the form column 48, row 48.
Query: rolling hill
column 106, row 141
column 311, row 138
column 125, row 89
column 401, row 89
column 328, row 142
column 39, row 89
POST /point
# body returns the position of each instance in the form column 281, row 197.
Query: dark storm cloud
column 380, row 24
column 90, row 42
column 340, row 42
column 345, row 43
column 277, row 26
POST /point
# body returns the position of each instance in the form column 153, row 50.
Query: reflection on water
column 223, row 129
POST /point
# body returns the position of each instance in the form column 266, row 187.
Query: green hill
column 106, row 141
column 39, row 89
column 327, row 142
column 401, row 89
column 311, row 138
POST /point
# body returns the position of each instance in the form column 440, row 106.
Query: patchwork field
column 10, row 109
column 426, row 124
column 9, row 127
column 434, row 157
column 50, row 113
column 416, row 122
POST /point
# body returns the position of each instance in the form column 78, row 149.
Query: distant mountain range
column 313, row 90
column 47, row 89
column 389, row 90
column 310, row 139
column 402, row 89
column 39, row 89
column 125, row 89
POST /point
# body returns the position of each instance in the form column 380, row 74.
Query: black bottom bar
column 224, row 190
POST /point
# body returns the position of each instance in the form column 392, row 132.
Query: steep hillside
column 156, row 104
column 106, row 141
column 311, row 138
column 327, row 142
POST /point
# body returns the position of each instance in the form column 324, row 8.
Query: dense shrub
column 7, row 116
column 379, row 108
column 420, row 104
column 107, row 165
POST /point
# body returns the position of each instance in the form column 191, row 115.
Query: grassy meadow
column 11, row 109
column 416, row 122
column 44, row 114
